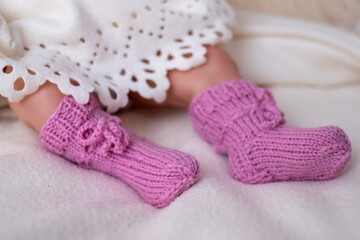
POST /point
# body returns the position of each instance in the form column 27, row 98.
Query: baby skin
column 236, row 117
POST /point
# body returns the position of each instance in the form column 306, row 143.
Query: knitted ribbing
column 91, row 138
column 244, row 122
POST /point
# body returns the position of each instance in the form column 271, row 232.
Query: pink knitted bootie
column 244, row 122
column 91, row 138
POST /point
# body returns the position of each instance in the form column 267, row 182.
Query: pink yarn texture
column 244, row 122
column 94, row 139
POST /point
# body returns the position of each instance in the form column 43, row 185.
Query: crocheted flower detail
column 272, row 116
column 104, row 136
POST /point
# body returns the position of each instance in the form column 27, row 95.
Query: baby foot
column 94, row 139
column 244, row 122
column 288, row 154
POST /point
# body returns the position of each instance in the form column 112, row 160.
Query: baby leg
column 34, row 110
column 91, row 138
column 243, row 121
column 186, row 85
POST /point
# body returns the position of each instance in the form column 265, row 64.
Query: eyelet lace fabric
column 110, row 47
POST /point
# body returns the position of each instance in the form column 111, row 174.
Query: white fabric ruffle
column 111, row 47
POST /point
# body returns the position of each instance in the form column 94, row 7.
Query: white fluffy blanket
column 314, row 72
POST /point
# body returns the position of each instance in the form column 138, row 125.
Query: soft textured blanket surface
column 314, row 72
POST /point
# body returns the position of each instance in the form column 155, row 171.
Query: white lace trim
column 121, row 51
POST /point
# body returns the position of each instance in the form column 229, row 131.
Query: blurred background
column 341, row 13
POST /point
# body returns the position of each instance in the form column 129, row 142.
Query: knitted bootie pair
column 238, row 118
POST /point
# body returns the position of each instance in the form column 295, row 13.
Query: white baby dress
column 110, row 47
